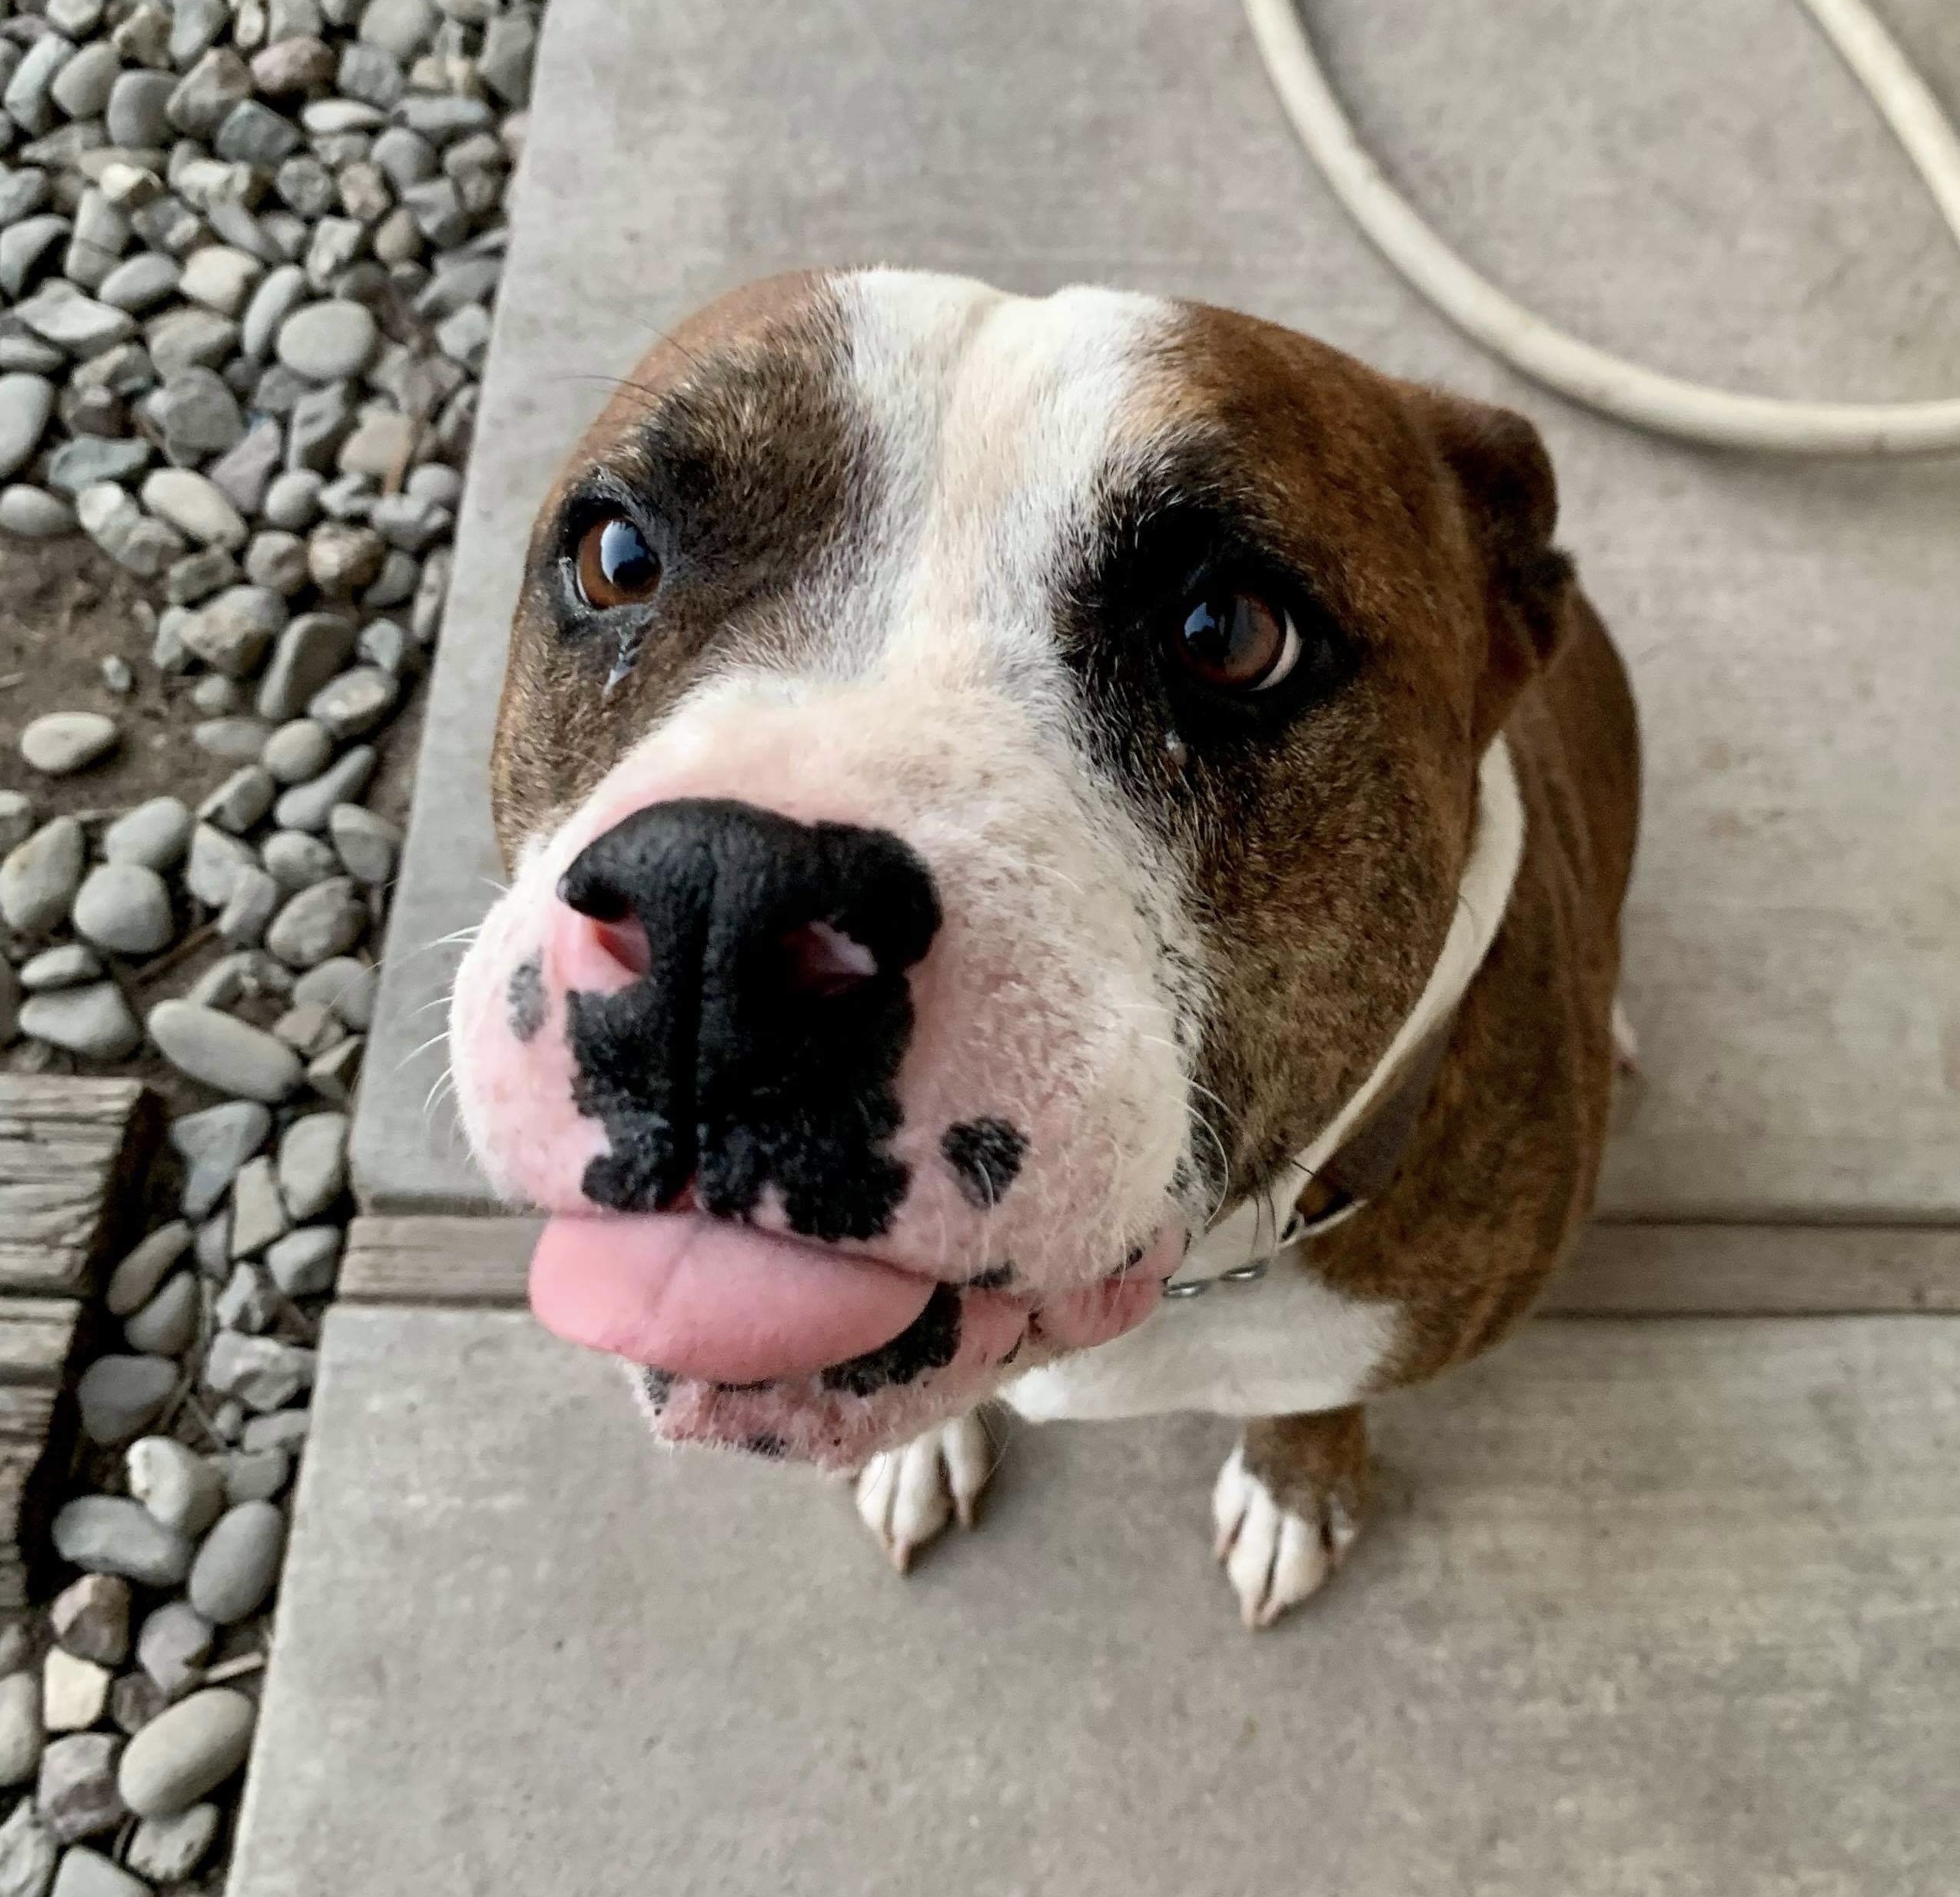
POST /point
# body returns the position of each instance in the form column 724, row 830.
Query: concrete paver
column 1645, row 1606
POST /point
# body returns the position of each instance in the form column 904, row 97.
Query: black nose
column 761, row 1045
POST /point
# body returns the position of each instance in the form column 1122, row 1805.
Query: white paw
column 906, row 1496
column 1273, row 1558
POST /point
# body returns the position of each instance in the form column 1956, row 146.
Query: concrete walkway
column 1649, row 1606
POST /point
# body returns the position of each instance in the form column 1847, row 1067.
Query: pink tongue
column 692, row 1295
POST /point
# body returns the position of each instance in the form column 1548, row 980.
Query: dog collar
column 1355, row 1155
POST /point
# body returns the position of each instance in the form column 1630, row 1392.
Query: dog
column 1022, row 812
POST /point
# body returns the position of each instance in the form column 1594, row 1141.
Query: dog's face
column 984, row 780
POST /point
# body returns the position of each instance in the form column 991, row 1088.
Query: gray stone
column 216, row 861
column 77, row 324
column 255, row 134
column 168, row 1850
column 198, row 415
column 90, row 1619
column 59, row 743
column 306, row 185
column 26, row 97
column 241, row 800
column 323, row 920
column 247, row 1302
column 458, row 282
column 320, row 419
column 109, row 1534
column 222, row 1051
column 231, row 740
column 372, row 74
column 364, row 194
column 367, row 844
column 442, row 118
column 312, row 1170
column 344, row 985
column 16, row 820
column 381, row 442
column 75, row 1692
column 297, row 861
column 437, row 209
column 169, row 224
column 301, row 63
column 134, row 1700
column 263, row 1373
column 174, row 1642
column 297, row 752
column 29, row 250
column 351, row 498
column 196, row 24
column 91, row 461
column 308, row 1030
column 254, row 897
column 137, row 114
column 183, row 340
column 35, row 514
column 510, row 48
column 101, row 235
column 355, row 702
column 155, row 835
column 310, row 652
column 27, row 1852
column 335, row 244
column 308, row 806
column 22, row 1734
column 23, row 193
column 144, row 282
column 214, row 1144
column 405, row 157
column 123, row 531
column 118, row 676
column 191, row 1749
column 87, row 1873
column 284, row 1429
column 237, row 1567
column 343, row 557
column 258, row 1215
column 333, row 1074
column 125, row 908
column 292, row 502
column 232, row 632
column 277, row 297
column 179, row 1488
column 398, row 238
column 192, row 580
column 94, row 1021
column 327, row 341
column 67, row 966
column 207, row 92
column 136, row 1278
column 245, row 475
column 221, row 278
column 278, row 560
column 304, row 1262
column 257, row 1475
column 167, row 1326
column 81, row 87
column 403, row 26
column 26, row 401
column 386, row 642
column 409, row 521
column 38, row 878
column 121, row 1396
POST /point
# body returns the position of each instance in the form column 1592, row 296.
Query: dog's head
column 984, row 779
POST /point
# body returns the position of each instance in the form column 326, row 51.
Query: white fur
column 908, row 1495
column 1273, row 1558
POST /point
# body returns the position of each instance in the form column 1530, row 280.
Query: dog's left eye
column 1235, row 642
column 614, row 566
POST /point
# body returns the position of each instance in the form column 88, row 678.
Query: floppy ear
column 1510, row 503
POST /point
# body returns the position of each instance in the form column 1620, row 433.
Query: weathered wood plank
column 437, row 1261
column 1654, row 1271
column 26, row 1409
column 36, row 1336
column 70, row 1149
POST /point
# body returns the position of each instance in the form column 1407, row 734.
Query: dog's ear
column 1510, row 503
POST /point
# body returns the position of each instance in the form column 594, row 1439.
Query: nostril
column 819, row 959
column 625, row 942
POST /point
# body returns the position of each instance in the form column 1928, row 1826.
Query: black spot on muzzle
column 930, row 1342
column 761, row 1047
column 986, row 1155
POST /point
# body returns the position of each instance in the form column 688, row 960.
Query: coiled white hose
column 1666, row 405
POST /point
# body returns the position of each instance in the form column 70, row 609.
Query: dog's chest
column 1286, row 1345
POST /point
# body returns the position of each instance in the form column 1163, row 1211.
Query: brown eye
column 615, row 567
column 1237, row 642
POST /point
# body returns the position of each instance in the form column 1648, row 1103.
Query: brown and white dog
column 1018, row 807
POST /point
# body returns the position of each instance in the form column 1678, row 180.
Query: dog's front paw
column 1276, row 1556
column 906, row 1496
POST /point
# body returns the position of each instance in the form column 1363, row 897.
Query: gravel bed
column 248, row 250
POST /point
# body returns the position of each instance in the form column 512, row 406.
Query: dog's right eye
column 613, row 566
